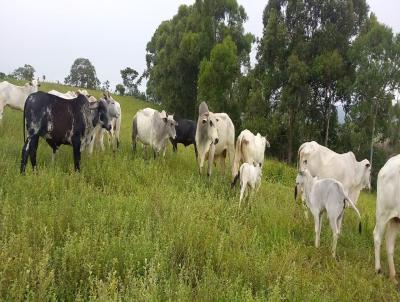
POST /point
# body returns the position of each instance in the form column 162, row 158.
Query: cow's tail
column 236, row 161
column 356, row 210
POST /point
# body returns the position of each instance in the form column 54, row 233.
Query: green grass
column 132, row 229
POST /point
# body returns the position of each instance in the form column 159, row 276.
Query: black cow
column 61, row 122
column 185, row 134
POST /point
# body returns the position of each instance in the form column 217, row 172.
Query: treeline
column 83, row 74
column 313, row 55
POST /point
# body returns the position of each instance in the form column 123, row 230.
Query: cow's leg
column 33, row 150
column 201, row 162
column 335, row 233
column 1, row 113
column 25, row 154
column 243, row 186
column 378, row 234
column 210, row 159
column 76, row 145
column 91, row 144
column 101, row 139
column 174, row 145
column 223, row 163
column 391, row 234
column 195, row 150
column 317, row 228
column 53, row 155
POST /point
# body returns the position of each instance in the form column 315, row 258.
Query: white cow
column 15, row 96
column 249, row 148
column 215, row 138
column 98, row 137
column 68, row 95
column 250, row 178
column 387, row 212
column 325, row 163
column 322, row 195
column 153, row 128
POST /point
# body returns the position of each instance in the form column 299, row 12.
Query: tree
column 179, row 45
column 106, row 85
column 24, row 73
column 2, row 75
column 217, row 76
column 43, row 78
column 82, row 74
column 303, row 67
column 128, row 78
column 120, row 89
column 376, row 56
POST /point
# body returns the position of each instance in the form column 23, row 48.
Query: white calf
column 250, row 178
column 328, row 195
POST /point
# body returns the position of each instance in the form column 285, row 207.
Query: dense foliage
column 180, row 45
column 312, row 58
column 25, row 72
column 82, row 74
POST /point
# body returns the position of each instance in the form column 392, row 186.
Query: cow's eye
column 211, row 123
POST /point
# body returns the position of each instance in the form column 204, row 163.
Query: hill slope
column 142, row 229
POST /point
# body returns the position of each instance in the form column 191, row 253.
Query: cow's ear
column 165, row 120
column 368, row 165
column 176, row 124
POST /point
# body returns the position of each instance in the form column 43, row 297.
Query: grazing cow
column 61, row 122
column 249, row 148
column 215, row 138
column 153, row 128
column 115, row 114
column 250, row 178
column 185, row 134
column 325, row 163
column 387, row 212
column 326, row 194
column 15, row 96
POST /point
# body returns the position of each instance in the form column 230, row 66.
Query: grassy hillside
column 131, row 229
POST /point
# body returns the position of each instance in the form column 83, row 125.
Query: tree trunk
column 290, row 135
column 373, row 113
column 328, row 119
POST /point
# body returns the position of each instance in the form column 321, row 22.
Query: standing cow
column 153, row 128
column 325, row 163
column 15, row 96
column 99, row 132
column 61, row 122
column 249, row 148
column 185, row 134
column 215, row 138
column 387, row 212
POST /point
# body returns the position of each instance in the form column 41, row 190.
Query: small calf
column 250, row 176
column 321, row 195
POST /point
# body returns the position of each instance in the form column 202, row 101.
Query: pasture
column 132, row 228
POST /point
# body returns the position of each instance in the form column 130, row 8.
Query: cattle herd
column 326, row 181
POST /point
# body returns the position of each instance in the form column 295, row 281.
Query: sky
column 112, row 34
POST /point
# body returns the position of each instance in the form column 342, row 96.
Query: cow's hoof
column 378, row 271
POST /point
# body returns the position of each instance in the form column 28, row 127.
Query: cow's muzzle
column 107, row 127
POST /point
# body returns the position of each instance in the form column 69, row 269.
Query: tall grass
column 137, row 229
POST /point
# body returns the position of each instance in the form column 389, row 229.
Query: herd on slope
column 328, row 181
